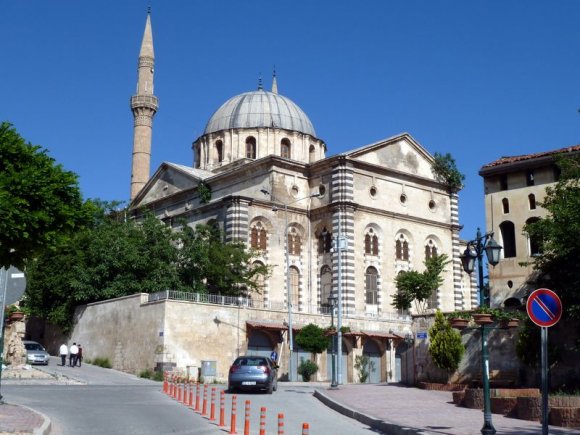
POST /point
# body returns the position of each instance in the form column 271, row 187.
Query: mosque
column 333, row 226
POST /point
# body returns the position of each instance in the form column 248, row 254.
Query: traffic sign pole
column 545, row 309
column 544, row 380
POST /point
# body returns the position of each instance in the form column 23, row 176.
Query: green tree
column 311, row 338
column 208, row 265
column 445, row 170
column 445, row 346
column 113, row 258
column 413, row 286
column 40, row 202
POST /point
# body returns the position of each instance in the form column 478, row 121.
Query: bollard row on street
column 182, row 389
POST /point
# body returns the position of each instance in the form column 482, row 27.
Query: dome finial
column 274, row 81
column 260, row 87
column 149, row 9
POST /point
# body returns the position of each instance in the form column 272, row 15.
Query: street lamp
column 288, row 287
column 474, row 250
column 332, row 304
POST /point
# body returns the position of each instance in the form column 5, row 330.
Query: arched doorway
column 259, row 343
column 372, row 350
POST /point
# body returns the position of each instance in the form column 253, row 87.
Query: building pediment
column 401, row 153
column 169, row 179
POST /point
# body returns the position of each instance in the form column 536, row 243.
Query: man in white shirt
column 63, row 353
column 74, row 351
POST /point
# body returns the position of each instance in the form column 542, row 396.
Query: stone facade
column 514, row 189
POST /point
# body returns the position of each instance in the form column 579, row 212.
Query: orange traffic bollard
column 305, row 428
column 190, row 401
column 222, row 408
column 212, row 405
column 262, row 421
column 197, row 398
column 171, row 386
column 165, row 384
column 280, row 424
column 179, row 390
column 247, row 419
column 204, row 409
column 233, row 415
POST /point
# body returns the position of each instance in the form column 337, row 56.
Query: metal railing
column 248, row 302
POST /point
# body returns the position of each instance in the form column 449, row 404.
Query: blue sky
column 477, row 79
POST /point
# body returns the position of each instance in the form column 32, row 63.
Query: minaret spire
column 144, row 106
column 274, row 81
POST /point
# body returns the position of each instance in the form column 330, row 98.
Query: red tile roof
column 513, row 159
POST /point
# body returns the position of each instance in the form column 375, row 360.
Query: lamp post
column 332, row 303
column 474, row 251
column 288, row 287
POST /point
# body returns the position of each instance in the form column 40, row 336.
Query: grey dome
column 260, row 109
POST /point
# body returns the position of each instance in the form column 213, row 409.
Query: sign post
column 545, row 309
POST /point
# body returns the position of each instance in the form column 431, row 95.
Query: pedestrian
column 74, row 351
column 80, row 355
column 63, row 353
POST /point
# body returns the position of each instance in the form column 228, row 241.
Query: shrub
column 445, row 348
column 102, row 362
column 307, row 368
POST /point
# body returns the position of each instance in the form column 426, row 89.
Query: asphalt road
column 105, row 401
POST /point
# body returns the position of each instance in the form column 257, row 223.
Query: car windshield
column 250, row 362
column 33, row 346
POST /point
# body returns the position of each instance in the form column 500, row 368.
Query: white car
column 35, row 353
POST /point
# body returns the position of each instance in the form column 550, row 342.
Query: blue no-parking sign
column 544, row 307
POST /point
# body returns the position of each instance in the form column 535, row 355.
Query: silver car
column 253, row 373
column 35, row 353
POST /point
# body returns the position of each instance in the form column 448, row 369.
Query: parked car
column 35, row 353
column 253, row 373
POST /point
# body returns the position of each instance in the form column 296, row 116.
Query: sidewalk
column 396, row 409
column 16, row 419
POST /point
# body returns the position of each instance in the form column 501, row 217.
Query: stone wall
column 169, row 334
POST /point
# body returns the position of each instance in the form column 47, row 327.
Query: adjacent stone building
column 514, row 188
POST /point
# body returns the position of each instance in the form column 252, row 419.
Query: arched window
column 294, row 242
column 508, row 236
column 258, row 237
column 219, row 148
column 534, row 245
column 430, row 250
column 259, row 278
column 311, row 153
column 325, row 285
column 371, row 243
column 251, row 147
column 324, row 242
column 532, row 201
column 294, row 285
column 402, row 248
column 371, row 285
column 505, row 203
column 285, row 148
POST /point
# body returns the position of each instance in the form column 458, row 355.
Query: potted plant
column 483, row 316
column 506, row 319
column 459, row 319
column 14, row 313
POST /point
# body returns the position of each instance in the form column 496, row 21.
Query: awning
column 271, row 326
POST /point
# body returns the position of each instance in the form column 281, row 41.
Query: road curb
column 44, row 429
column 373, row 422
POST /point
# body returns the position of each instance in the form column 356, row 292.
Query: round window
column 403, row 198
column 321, row 190
column 432, row 205
column 295, row 190
column 373, row 191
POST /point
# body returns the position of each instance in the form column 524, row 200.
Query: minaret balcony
column 148, row 101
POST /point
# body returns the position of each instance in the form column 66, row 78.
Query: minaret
column 144, row 106
column 274, row 82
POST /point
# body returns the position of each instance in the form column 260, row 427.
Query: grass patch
column 102, row 362
column 151, row 374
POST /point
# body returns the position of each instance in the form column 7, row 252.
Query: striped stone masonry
column 236, row 225
column 457, row 268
